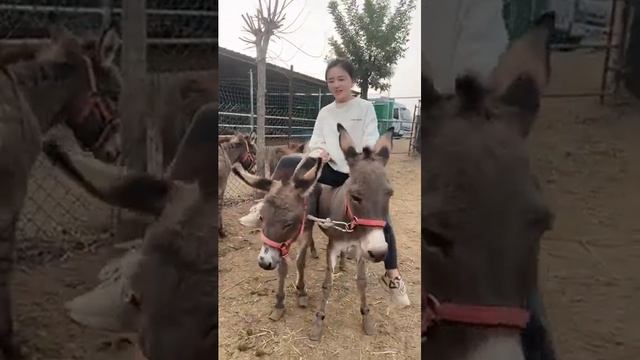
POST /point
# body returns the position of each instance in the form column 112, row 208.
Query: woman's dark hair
column 344, row 64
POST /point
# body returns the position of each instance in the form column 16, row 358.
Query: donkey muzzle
column 374, row 245
column 269, row 258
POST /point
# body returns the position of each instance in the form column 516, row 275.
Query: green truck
column 392, row 113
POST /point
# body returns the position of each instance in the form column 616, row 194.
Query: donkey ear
column 255, row 182
column 382, row 149
column 523, row 70
column 303, row 179
column 300, row 148
column 108, row 46
column 346, row 144
column 253, row 137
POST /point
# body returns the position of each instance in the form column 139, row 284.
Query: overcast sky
column 310, row 34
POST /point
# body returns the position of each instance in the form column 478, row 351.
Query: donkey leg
column 342, row 263
column 278, row 311
column 361, row 279
column 312, row 244
column 344, row 255
column 303, row 298
column 318, row 324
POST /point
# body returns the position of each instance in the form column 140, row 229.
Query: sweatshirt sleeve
column 317, row 142
column 371, row 133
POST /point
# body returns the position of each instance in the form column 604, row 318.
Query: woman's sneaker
column 397, row 289
column 252, row 219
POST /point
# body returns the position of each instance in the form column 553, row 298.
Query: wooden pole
column 134, row 70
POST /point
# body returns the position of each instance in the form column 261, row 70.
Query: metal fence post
column 253, row 121
column 290, row 102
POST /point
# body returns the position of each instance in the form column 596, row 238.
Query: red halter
column 488, row 316
column 355, row 221
column 285, row 246
column 95, row 103
column 248, row 155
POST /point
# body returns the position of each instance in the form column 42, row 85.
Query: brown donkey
column 482, row 209
column 65, row 81
column 171, row 297
column 362, row 202
column 240, row 149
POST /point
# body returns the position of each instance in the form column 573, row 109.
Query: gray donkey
column 240, row 149
column 362, row 203
column 169, row 289
column 64, row 81
column 483, row 211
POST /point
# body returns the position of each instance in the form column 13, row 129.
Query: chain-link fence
column 291, row 111
column 165, row 42
column 291, row 108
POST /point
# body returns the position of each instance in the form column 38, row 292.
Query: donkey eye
column 356, row 198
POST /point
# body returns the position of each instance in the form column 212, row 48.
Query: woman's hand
column 325, row 156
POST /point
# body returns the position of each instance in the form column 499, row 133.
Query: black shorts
column 332, row 177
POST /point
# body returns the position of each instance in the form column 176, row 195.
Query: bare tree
column 265, row 24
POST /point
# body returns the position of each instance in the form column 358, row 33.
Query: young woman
column 358, row 117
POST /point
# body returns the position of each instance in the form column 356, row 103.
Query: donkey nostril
column 371, row 254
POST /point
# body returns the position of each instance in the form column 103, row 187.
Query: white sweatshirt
column 461, row 36
column 357, row 116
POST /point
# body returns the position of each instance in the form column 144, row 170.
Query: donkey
column 276, row 153
column 184, row 98
column 173, row 289
column 483, row 213
column 362, row 202
column 241, row 149
column 65, row 81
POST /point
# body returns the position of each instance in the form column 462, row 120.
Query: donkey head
column 246, row 143
column 284, row 207
column 482, row 209
column 368, row 190
column 91, row 110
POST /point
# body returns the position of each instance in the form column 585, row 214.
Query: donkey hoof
column 303, row 301
column 276, row 314
column 222, row 233
column 368, row 326
column 316, row 332
column 314, row 254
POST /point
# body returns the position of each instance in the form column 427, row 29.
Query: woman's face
column 339, row 83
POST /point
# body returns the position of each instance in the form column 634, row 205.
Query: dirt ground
column 247, row 293
column 588, row 159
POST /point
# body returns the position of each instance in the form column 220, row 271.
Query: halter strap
column 355, row 221
column 285, row 246
column 248, row 155
column 95, row 103
column 487, row 316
